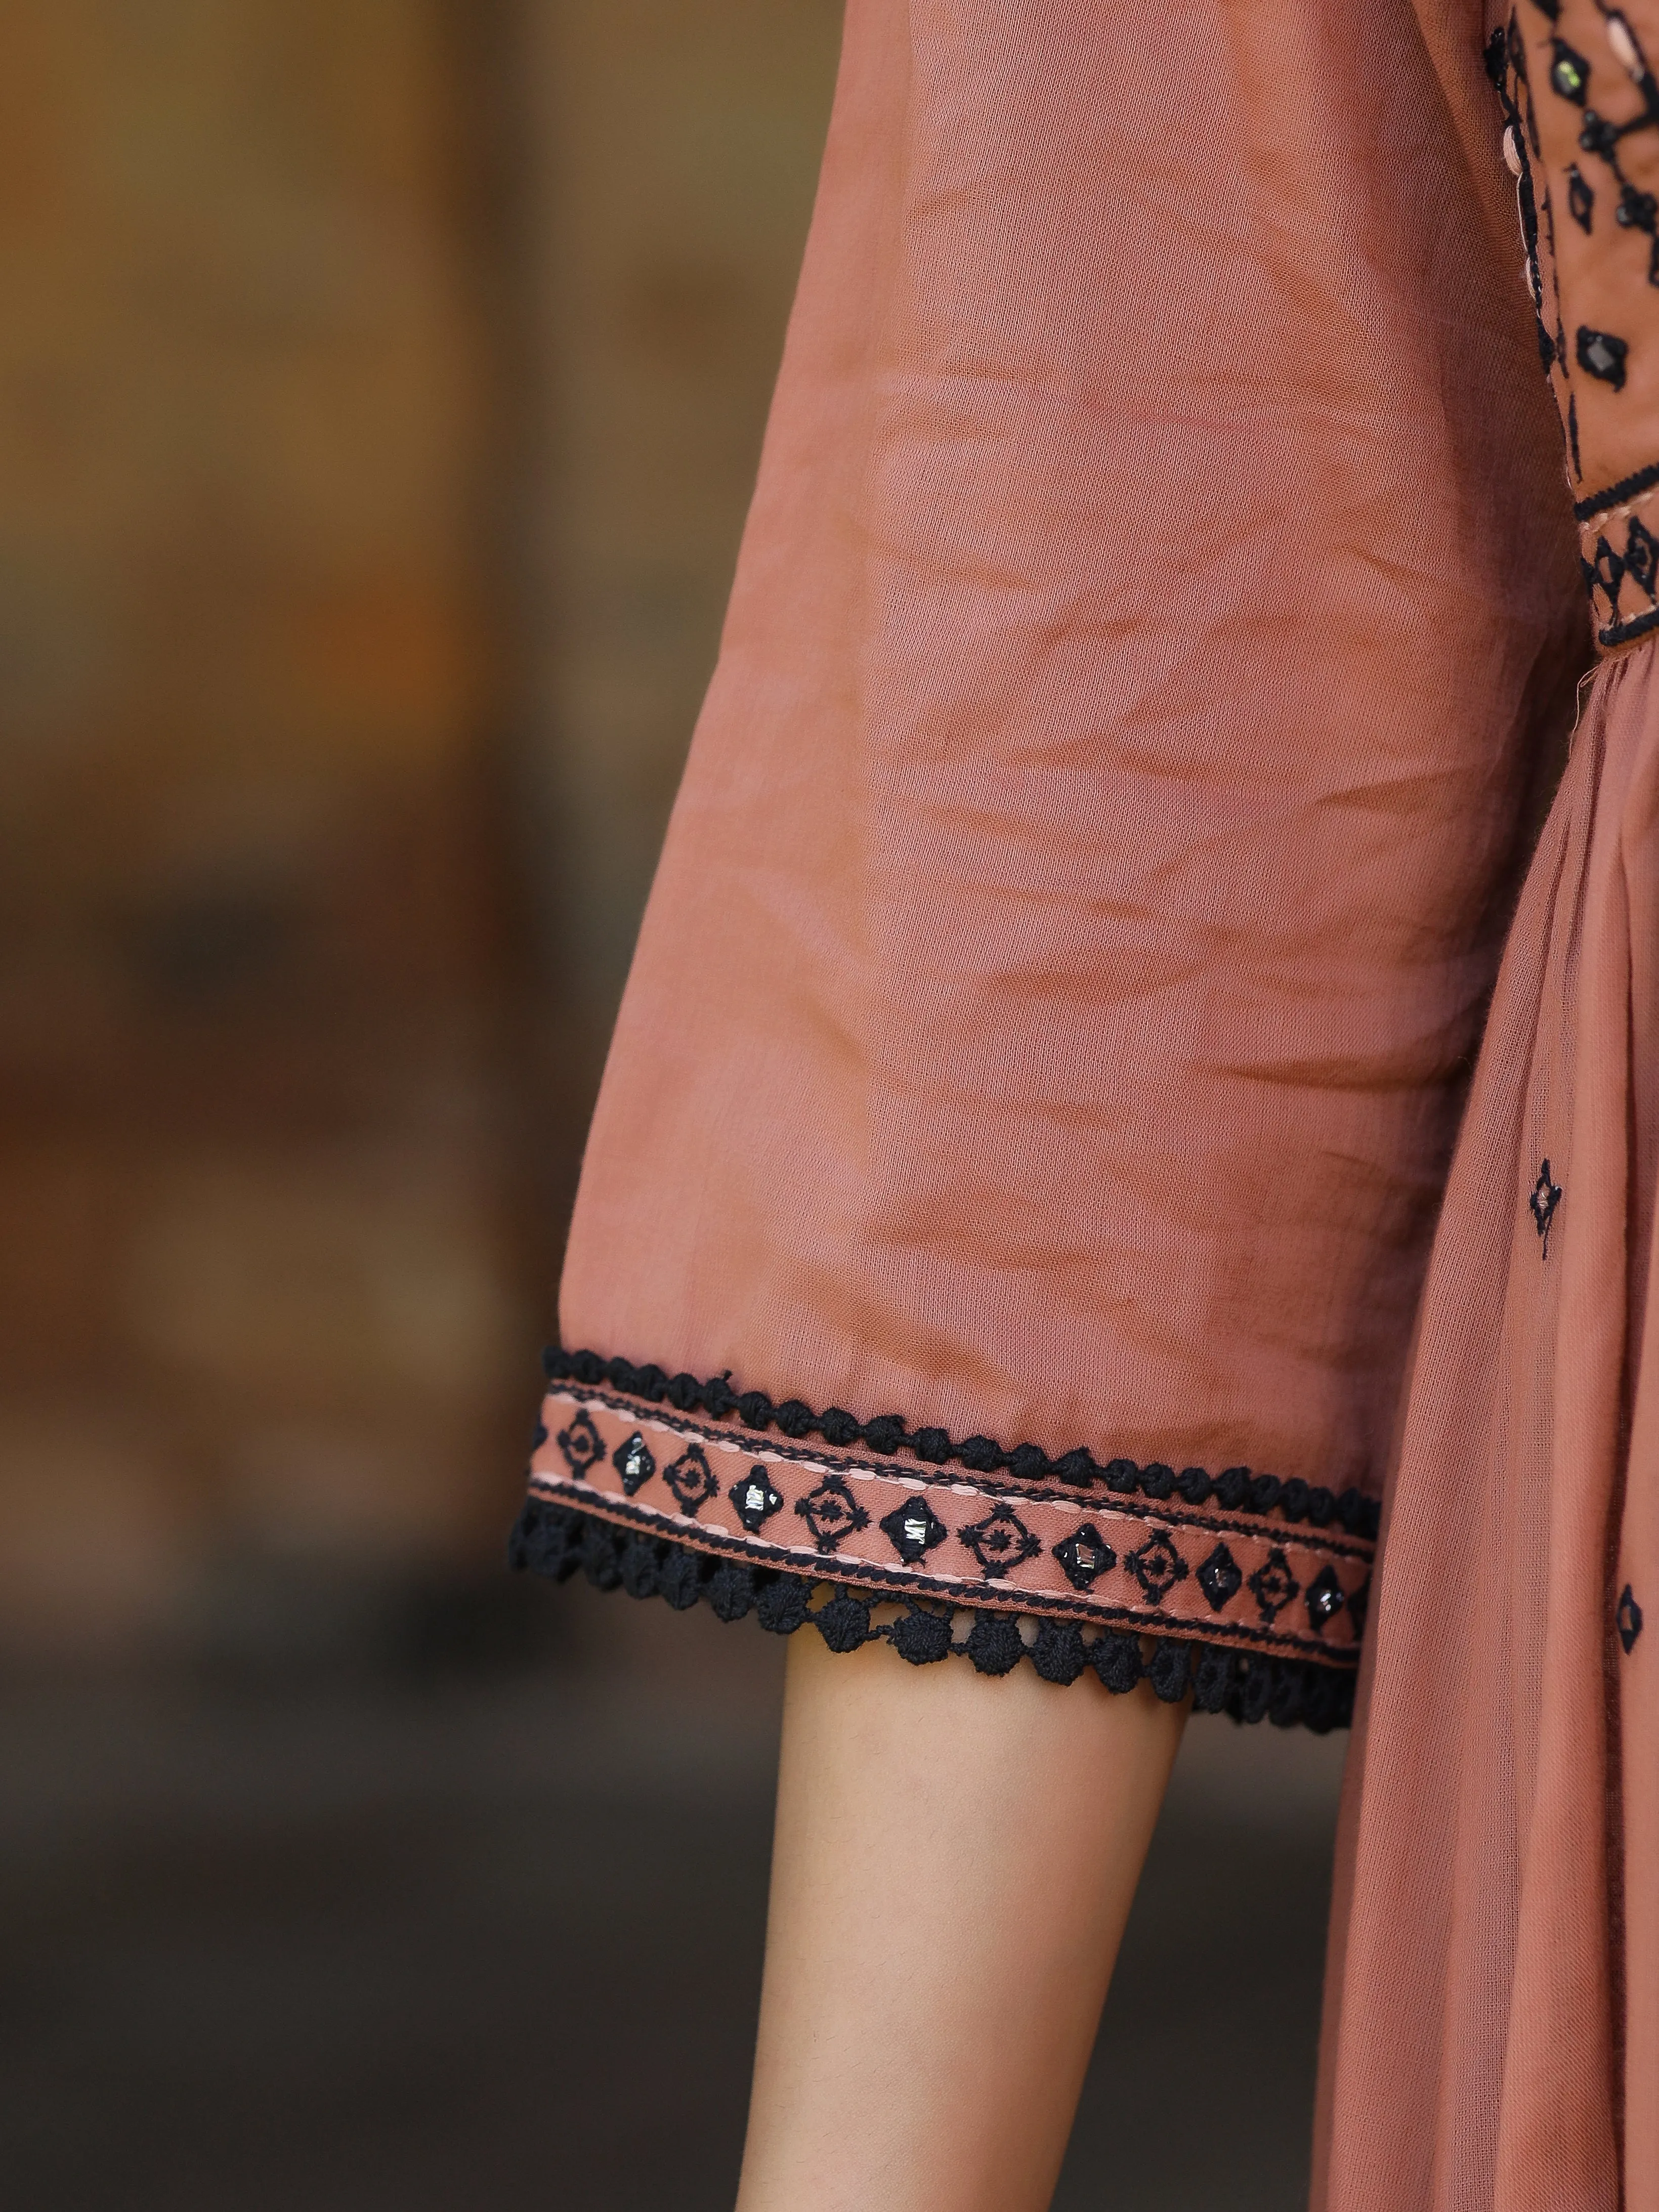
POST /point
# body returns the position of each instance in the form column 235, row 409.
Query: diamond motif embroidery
column 1569, row 72
column 1002, row 1541
column 1273, row 1584
column 1602, row 355
column 1628, row 1620
column 634, row 1463
column 1220, row 1577
column 1158, row 1566
column 581, row 1444
column 1325, row 1599
column 1085, row 1556
column 913, row 1529
column 754, row 1499
column 691, row 1479
column 1641, row 558
column 832, row 1513
column 1545, row 1197
column 1581, row 197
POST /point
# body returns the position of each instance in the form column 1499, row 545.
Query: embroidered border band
column 1242, row 1579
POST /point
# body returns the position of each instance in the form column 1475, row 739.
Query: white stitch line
column 988, row 1587
column 1607, row 514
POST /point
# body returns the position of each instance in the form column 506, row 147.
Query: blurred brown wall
column 380, row 386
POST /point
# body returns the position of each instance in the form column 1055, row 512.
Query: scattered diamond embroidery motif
column 1628, row 1620
column 1545, row 1197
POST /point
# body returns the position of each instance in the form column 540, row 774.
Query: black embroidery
column 1002, row 1541
column 559, row 1541
column 994, row 1644
column 1581, row 197
column 1324, row 1599
column 636, row 1463
column 1641, row 558
column 913, row 1529
column 1085, row 1556
column 1602, row 355
column 1156, row 1566
column 755, row 1499
column 691, row 1479
column 1220, row 1577
column 1621, row 633
column 1274, row 1585
column 1236, row 1488
column 1569, row 72
column 581, row 1445
column 1618, row 495
column 1607, row 571
column 832, row 1513
column 1545, row 1197
column 1629, row 1619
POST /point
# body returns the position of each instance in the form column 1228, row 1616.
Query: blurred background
column 381, row 384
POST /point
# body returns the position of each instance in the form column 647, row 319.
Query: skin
column 954, row 1861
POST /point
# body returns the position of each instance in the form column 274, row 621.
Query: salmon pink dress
column 1051, row 1203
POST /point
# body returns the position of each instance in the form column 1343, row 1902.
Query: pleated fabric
column 1491, row 2003
column 1492, row 2027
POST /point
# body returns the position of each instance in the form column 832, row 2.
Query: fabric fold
column 1499, row 1856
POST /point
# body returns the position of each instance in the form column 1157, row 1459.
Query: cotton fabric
column 1153, row 647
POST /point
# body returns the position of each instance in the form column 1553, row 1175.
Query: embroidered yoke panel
column 1581, row 103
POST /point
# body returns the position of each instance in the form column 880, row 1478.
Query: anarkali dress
column 1127, row 1149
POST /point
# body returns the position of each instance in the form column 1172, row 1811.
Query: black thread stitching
column 913, row 1529
column 1001, row 1542
column 634, row 1461
column 1274, row 1585
column 691, row 1479
column 1627, row 488
column 832, row 1513
column 1339, row 1548
column 904, row 1582
column 753, row 1498
column 1220, row 1578
column 1621, row 633
column 1628, row 1619
column 1545, row 1197
column 1085, row 1556
column 1235, row 1489
column 559, row 1541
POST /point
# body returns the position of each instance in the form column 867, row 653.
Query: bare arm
column 954, row 1863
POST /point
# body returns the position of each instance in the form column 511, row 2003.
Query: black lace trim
column 1238, row 1489
column 558, row 1540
